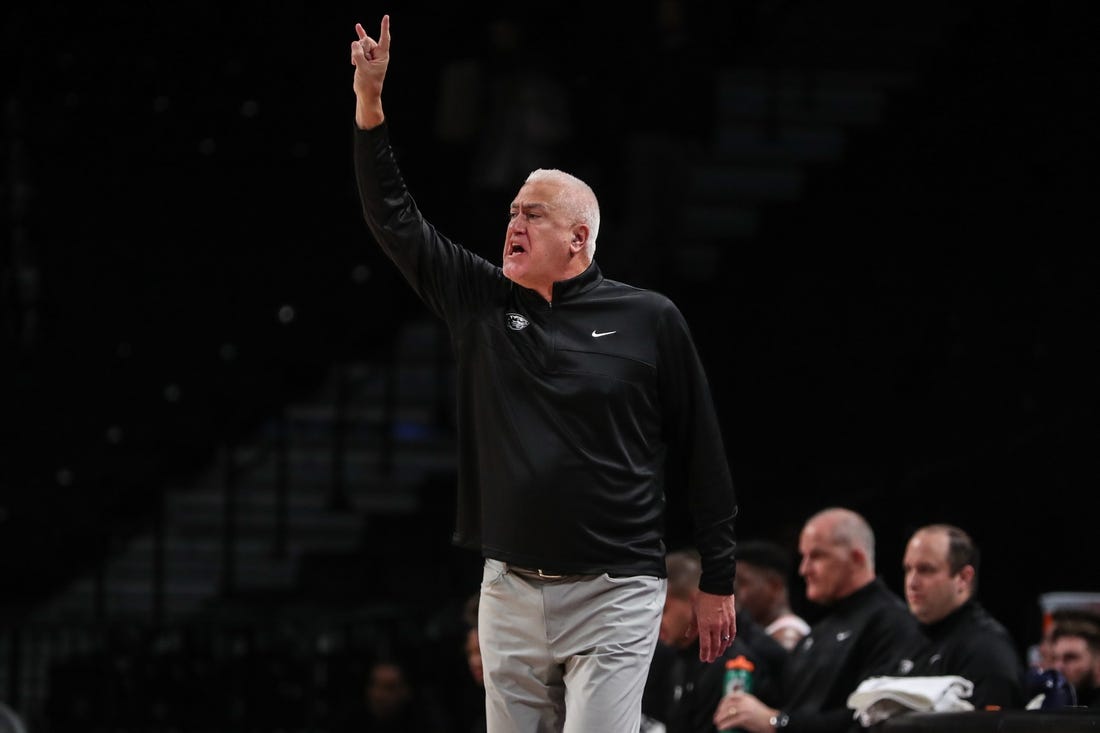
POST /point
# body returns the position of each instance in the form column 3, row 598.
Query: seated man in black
column 681, row 692
column 941, row 576
column 866, row 630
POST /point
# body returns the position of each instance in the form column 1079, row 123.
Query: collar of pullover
column 944, row 626
column 858, row 598
column 566, row 290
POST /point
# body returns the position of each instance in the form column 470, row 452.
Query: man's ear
column 966, row 576
column 580, row 239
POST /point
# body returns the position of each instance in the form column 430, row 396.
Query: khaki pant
column 566, row 655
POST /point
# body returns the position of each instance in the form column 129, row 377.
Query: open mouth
column 516, row 249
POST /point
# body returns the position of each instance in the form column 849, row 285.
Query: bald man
column 941, row 576
column 866, row 630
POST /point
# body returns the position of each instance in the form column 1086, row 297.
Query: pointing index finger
column 384, row 35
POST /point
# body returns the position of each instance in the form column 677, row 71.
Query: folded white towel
column 878, row 698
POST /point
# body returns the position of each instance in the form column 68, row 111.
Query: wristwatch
column 779, row 720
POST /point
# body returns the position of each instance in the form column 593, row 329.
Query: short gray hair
column 851, row 529
column 574, row 196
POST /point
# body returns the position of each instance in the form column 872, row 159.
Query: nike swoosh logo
column 597, row 334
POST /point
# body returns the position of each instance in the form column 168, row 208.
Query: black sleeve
column 697, row 456
column 995, row 670
column 444, row 275
column 832, row 721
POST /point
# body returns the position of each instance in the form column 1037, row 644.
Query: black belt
column 539, row 573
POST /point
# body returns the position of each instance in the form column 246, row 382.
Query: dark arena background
column 227, row 448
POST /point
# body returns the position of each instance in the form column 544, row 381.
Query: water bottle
column 738, row 677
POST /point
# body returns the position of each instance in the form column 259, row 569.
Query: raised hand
column 371, row 58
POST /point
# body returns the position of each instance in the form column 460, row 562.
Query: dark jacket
column 972, row 644
column 574, row 417
column 865, row 634
column 683, row 692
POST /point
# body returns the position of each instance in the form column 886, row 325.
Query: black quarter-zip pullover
column 574, row 417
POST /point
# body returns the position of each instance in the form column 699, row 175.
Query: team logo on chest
column 515, row 321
